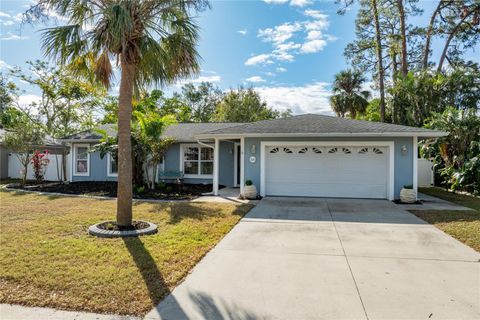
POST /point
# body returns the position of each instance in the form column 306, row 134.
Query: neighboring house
column 307, row 155
column 10, row 166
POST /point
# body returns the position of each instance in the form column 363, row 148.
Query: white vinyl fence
column 53, row 171
column 425, row 173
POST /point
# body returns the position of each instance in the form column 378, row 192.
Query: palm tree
column 348, row 96
column 153, row 42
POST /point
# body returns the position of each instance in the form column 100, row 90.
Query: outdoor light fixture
column 253, row 149
column 404, row 149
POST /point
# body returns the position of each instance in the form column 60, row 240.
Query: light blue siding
column 403, row 171
column 98, row 166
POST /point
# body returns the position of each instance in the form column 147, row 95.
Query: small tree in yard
column 23, row 140
column 40, row 162
column 158, row 151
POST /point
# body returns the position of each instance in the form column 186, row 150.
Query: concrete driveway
column 303, row 258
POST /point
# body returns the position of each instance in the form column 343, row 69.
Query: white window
column 197, row 161
column 81, row 160
column 112, row 165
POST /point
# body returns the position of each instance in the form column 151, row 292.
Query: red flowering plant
column 40, row 162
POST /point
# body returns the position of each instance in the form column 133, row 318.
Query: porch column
column 242, row 164
column 216, row 162
column 415, row 165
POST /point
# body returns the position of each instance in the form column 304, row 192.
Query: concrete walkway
column 299, row 258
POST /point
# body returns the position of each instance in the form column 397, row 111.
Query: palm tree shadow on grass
column 156, row 285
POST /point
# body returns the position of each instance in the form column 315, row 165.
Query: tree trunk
column 381, row 72
column 124, row 180
column 449, row 39
column 401, row 11
column 426, row 50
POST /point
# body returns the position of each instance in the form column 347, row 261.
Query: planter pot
column 408, row 195
column 250, row 192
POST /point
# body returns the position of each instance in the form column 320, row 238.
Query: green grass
column 47, row 258
column 462, row 225
column 461, row 199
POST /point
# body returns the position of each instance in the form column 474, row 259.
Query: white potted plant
column 408, row 195
column 249, row 190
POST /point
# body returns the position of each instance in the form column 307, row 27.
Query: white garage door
column 327, row 171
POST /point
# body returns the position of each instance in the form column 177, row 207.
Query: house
column 11, row 167
column 307, row 155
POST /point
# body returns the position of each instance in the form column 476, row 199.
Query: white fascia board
column 329, row 134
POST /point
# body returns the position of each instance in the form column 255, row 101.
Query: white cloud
column 259, row 59
column 255, row 79
column 25, row 100
column 11, row 36
column 8, row 23
column 296, row 3
column 279, row 34
column 212, row 78
column 310, row 98
column 4, row 65
column 317, row 14
column 281, row 69
column 292, row 38
column 300, row 3
column 242, row 32
column 4, row 14
column 313, row 46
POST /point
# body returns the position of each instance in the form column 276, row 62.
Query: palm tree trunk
column 124, row 188
column 381, row 72
column 401, row 11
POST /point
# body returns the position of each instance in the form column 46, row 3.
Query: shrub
column 408, row 186
column 40, row 162
column 248, row 182
column 168, row 189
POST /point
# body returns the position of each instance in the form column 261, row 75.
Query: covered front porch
column 228, row 155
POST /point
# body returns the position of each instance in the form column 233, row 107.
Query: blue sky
column 288, row 49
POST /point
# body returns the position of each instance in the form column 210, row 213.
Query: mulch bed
column 112, row 226
column 109, row 189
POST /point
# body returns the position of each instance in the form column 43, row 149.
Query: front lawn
column 462, row 225
column 461, row 199
column 47, row 258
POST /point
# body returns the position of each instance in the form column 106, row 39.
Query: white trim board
column 389, row 144
column 180, row 166
column 74, row 162
column 109, row 173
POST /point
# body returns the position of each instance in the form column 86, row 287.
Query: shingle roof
column 186, row 132
column 319, row 124
column 95, row 134
column 47, row 140
column 181, row 132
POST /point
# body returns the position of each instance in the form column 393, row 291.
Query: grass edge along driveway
column 462, row 225
column 48, row 260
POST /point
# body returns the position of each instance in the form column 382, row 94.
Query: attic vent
column 346, row 150
column 287, row 150
column 363, row 150
column 303, row 150
column 316, row 150
column 333, row 150
column 274, row 150
column 377, row 151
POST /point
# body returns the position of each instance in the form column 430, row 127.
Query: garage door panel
column 298, row 171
